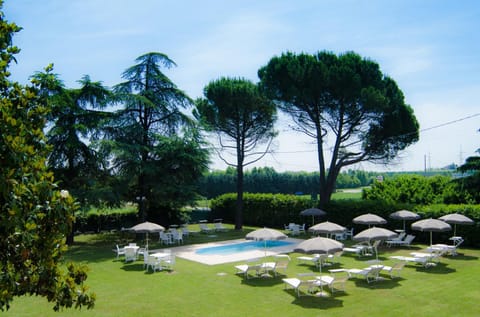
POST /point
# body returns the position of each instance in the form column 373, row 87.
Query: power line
column 421, row 130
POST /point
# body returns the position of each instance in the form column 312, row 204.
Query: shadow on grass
column 133, row 267
column 262, row 281
column 381, row 283
column 463, row 257
column 312, row 301
column 437, row 268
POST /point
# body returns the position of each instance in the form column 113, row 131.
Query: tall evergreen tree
column 153, row 142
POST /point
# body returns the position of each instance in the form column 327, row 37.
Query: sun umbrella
column 313, row 212
column 327, row 227
column 147, row 227
column 375, row 233
column 404, row 215
column 432, row 225
column 319, row 245
column 369, row 219
column 456, row 219
column 265, row 234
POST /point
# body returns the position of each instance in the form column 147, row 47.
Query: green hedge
column 275, row 210
column 104, row 222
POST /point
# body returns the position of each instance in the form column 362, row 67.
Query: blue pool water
column 241, row 247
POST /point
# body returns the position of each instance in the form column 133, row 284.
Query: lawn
column 192, row 289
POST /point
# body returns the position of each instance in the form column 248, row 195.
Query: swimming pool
column 241, row 247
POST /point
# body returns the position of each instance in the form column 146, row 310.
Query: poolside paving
column 188, row 252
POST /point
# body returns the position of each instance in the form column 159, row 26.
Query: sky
column 430, row 48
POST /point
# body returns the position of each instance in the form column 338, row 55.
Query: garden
column 192, row 289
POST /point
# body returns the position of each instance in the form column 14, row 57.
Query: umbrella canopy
column 404, row 215
column 327, row 227
column 431, row 225
column 147, row 227
column 313, row 212
column 265, row 234
column 456, row 219
column 319, row 245
column 369, row 219
column 374, row 233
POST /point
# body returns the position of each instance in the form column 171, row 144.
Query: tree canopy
column 346, row 104
column 35, row 216
column 155, row 149
column 243, row 119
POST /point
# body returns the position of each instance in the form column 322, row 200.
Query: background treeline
column 267, row 180
column 276, row 210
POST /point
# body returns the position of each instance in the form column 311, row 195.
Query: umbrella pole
column 403, row 225
column 430, row 238
column 455, row 230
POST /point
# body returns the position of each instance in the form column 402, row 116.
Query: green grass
column 449, row 289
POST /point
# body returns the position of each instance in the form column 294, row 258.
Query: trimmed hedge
column 275, row 210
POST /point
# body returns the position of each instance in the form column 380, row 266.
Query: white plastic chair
column 130, row 254
column 176, row 236
column 119, row 251
column 169, row 262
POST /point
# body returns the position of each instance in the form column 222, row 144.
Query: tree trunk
column 239, row 206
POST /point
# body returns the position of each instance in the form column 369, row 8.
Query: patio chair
column 446, row 248
column 130, row 254
column 245, row 269
column 370, row 273
column 301, row 228
column 395, row 269
column 119, row 251
column 301, row 287
column 317, row 259
column 281, row 263
column 176, row 236
column 407, row 241
column 334, row 283
column 168, row 262
column 164, row 238
column 399, row 238
column 335, row 257
column 219, row 226
column 152, row 262
column 204, row 228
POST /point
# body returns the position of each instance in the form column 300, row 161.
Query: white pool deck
column 188, row 252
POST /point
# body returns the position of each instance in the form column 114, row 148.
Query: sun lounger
column 334, row 283
column 302, row 287
column 370, row 273
column 405, row 242
column 247, row 269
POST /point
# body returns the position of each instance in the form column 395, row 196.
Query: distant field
column 355, row 193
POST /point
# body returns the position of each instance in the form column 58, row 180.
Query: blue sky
column 430, row 48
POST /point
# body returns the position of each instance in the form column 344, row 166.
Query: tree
column 243, row 119
column 35, row 215
column 153, row 142
column 74, row 122
column 346, row 104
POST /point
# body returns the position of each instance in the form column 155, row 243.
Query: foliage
column 34, row 216
column 155, row 150
column 243, row 119
column 73, row 122
column 346, row 101
column 413, row 189
column 267, row 180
